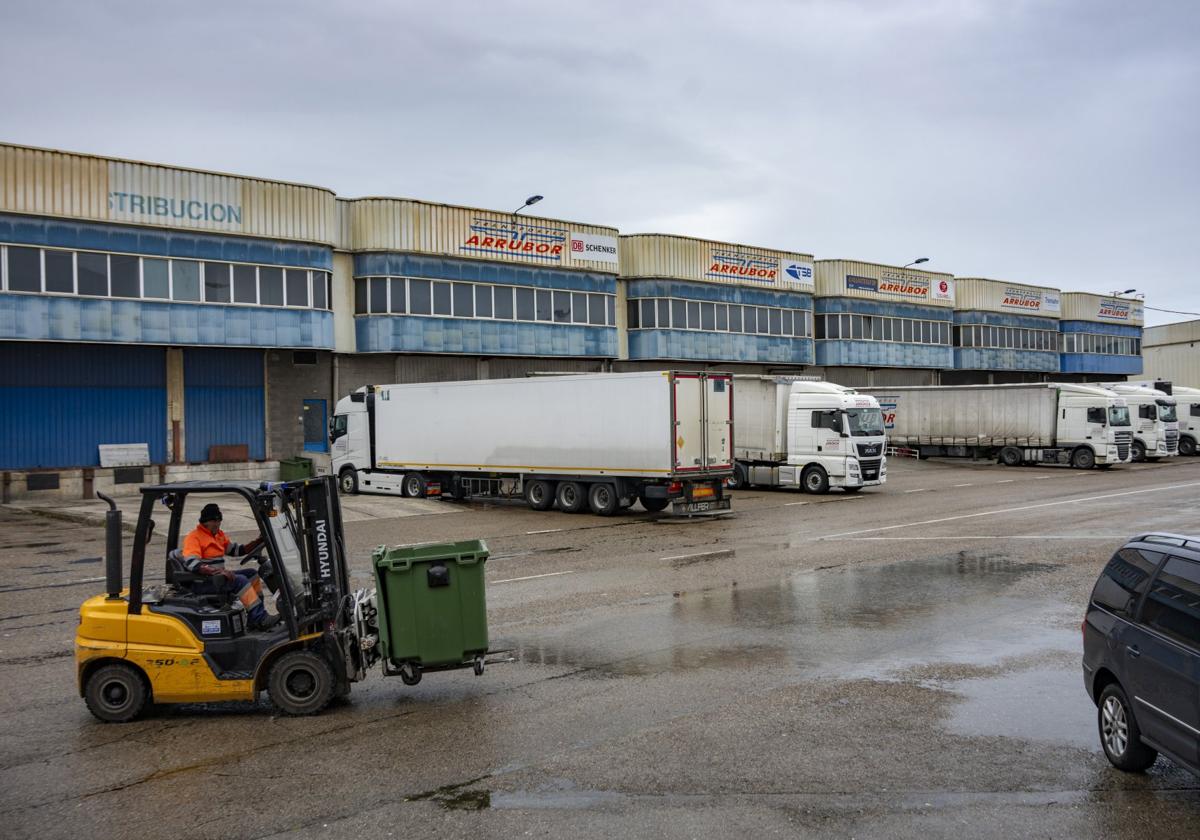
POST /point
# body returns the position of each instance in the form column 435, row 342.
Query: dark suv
column 1141, row 652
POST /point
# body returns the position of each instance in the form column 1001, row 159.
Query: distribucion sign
column 146, row 194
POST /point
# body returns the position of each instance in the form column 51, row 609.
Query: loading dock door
column 223, row 401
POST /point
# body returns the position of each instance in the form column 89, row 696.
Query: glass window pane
column 1172, row 606
column 678, row 314
column 503, row 297
column 216, row 282
column 906, row 330
column 483, row 301
column 24, row 269
column 693, row 315
column 545, row 311
column 379, row 295
column 185, row 280
column 833, row 325
column 708, row 317
column 464, row 300
column 735, row 318
column 60, row 271
column 579, row 307
column 664, row 313
column 787, row 322
column 877, row 329
column 820, row 322
column 360, row 296
column 525, row 308
column 887, row 328
column 245, row 284
column 802, row 324
column 126, row 281
column 319, row 289
column 775, row 321
column 562, row 307
column 1124, row 579
column 610, row 306
column 441, row 299
column 270, row 287
column 648, row 310
column 155, row 278
column 297, row 287
column 399, row 300
column 93, row 273
column 596, row 309
column 722, row 317
column 420, row 297
column 632, row 310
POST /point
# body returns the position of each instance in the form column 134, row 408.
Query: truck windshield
column 1166, row 412
column 1118, row 415
column 865, row 422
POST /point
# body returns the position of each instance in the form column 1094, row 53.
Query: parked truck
column 1187, row 409
column 795, row 432
column 598, row 441
column 1049, row 423
column 1155, row 419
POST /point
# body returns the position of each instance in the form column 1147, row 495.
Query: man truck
column 1084, row 426
column 598, row 441
column 800, row 433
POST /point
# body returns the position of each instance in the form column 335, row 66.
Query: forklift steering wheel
column 255, row 555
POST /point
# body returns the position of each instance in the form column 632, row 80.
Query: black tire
column 603, row 499
column 413, row 485
column 1010, row 456
column 539, row 494
column 570, row 496
column 1187, row 446
column 740, row 478
column 348, row 481
column 851, row 489
column 116, row 693
column 815, row 480
column 654, row 504
column 1120, row 735
column 1139, row 452
column 1083, row 458
column 300, row 683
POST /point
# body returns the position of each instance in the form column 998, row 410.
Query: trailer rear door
column 703, row 412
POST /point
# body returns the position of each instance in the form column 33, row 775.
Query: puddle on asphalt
column 1047, row 705
column 856, row 621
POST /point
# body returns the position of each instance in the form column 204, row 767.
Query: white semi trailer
column 598, row 441
column 1049, row 423
column 813, row 435
column 1155, row 420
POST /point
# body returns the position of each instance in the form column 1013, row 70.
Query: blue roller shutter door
column 59, row 402
column 223, row 401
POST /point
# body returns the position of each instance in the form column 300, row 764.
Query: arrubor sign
column 727, row 264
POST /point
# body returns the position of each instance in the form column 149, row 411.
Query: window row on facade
column 444, row 299
column 1005, row 338
column 1111, row 345
column 880, row 328
column 96, row 274
column 680, row 314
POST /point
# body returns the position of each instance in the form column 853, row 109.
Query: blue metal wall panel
column 698, row 345
column 32, row 317
column 480, row 271
column 980, row 358
column 90, row 236
column 59, row 402
column 1100, row 329
column 885, row 308
column 1100, row 363
column 223, row 401
column 718, row 293
column 883, row 354
column 997, row 319
column 390, row 333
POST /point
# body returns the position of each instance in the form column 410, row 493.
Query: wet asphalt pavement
column 900, row 663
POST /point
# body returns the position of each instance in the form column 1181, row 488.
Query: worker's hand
column 228, row 574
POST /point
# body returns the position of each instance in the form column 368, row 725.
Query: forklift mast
column 317, row 510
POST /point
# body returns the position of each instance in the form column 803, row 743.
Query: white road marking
column 964, row 485
column 547, row 531
column 1006, row 481
column 920, row 490
column 1014, row 509
column 532, row 577
column 724, row 552
column 1041, row 478
column 990, row 537
column 842, row 499
column 793, row 504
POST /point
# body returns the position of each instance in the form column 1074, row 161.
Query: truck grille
column 1172, row 442
column 1124, row 439
column 870, row 450
column 870, row 468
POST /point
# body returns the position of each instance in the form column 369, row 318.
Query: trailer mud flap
column 715, row 507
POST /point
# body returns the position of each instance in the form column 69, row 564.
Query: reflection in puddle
column 1037, row 705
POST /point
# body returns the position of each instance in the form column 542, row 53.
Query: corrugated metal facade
column 409, row 226
column 1172, row 352
column 223, row 401
column 1179, row 333
column 59, row 402
column 889, row 283
column 1084, row 306
column 63, row 184
column 979, row 294
column 659, row 256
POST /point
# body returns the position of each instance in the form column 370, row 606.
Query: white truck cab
column 1101, row 421
column 1155, row 422
column 1187, row 411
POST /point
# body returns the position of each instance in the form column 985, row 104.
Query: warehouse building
column 715, row 303
column 1101, row 337
column 1003, row 332
column 1172, row 353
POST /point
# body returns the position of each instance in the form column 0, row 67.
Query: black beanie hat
column 210, row 511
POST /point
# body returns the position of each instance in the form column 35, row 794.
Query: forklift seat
column 177, row 574
column 180, row 579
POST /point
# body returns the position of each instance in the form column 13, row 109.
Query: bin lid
column 464, row 553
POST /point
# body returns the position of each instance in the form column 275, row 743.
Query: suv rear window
column 1124, row 580
column 1173, row 605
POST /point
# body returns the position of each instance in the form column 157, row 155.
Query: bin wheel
column 300, row 683
column 410, row 672
column 478, row 666
column 603, row 499
column 348, row 481
column 413, row 485
column 571, row 497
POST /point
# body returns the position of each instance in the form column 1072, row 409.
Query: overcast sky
column 1050, row 142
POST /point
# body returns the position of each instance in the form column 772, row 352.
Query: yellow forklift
column 139, row 645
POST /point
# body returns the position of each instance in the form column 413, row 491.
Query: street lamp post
column 917, row 261
column 533, row 199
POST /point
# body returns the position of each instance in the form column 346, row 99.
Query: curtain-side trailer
column 598, row 441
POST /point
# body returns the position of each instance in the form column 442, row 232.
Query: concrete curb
column 76, row 516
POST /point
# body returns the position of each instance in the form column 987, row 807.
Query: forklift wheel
column 115, row 693
column 300, row 683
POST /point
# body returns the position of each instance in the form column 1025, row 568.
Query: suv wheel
column 1119, row 732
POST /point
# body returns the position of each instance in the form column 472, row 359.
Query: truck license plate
column 703, row 507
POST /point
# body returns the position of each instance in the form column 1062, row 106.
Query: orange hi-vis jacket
column 200, row 546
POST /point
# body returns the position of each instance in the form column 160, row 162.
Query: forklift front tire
column 116, row 693
column 300, row 683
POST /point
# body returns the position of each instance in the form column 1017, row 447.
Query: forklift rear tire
column 116, row 693
column 348, row 481
column 300, row 683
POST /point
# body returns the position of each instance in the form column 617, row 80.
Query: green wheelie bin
column 432, row 607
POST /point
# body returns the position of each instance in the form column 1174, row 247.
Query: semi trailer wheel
column 348, row 481
column 300, row 683
column 1083, row 458
column 603, row 499
column 571, row 497
column 539, row 494
column 1010, row 456
column 116, row 693
column 740, row 478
